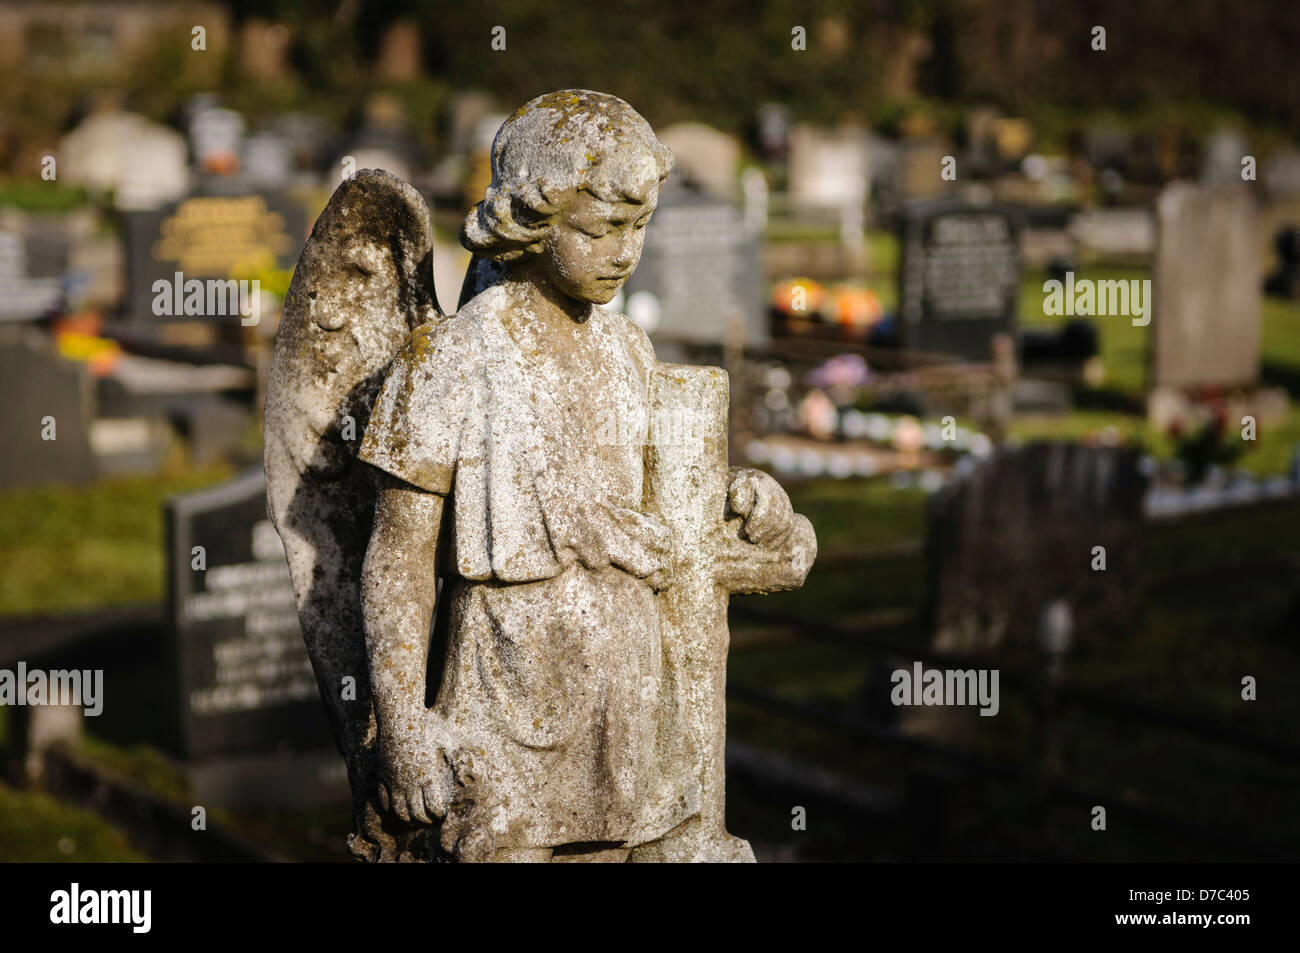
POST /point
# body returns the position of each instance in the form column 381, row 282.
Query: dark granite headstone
column 206, row 237
column 213, row 426
column 1107, row 147
column 959, row 277
column 1285, row 281
column 246, row 682
column 700, row 271
column 35, row 383
column 1020, row 531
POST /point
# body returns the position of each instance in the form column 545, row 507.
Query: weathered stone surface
column 1206, row 324
column 362, row 282
column 1020, row 531
column 539, row 492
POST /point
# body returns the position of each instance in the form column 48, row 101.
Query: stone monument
column 512, row 532
column 1207, row 320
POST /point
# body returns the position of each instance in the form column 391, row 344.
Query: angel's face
column 594, row 246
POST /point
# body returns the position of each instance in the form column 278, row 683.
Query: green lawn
column 1124, row 354
column 64, row 548
column 34, row 828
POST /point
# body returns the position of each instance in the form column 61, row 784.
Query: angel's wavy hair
column 552, row 148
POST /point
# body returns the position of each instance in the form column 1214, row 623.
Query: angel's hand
column 764, row 506
column 629, row 539
column 415, row 782
column 640, row 545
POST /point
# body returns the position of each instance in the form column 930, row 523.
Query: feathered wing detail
column 363, row 282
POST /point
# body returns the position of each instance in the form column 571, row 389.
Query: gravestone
column 981, row 149
column 1281, row 173
column 206, row 237
column 24, row 293
column 268, row 160
column 829, row 168
column 35, row 384
column 959, row 277
column 253, row 728
column 142, row 162
column 264, row 50
column 401, row 48
column 216, row 138
column 700, row 272
column 307, row 138
column 1285, row 281
column 1205, row 321
column 1221, row 160
column 1012, row 138
column 1107, row 146
column 918, row 173
column 383, row 139
column 772, row 132
column 1019, row 531
column 466, row 110
column 706, row 157
column 1114, row 233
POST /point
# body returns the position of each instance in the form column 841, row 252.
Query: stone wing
column 364, row 281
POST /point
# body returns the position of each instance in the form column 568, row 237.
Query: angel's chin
column 603, row 293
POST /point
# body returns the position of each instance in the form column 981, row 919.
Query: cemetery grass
column 65, row 548
column 306, row 834
column 882, row 249
column 1123, row 350
column 35, row 827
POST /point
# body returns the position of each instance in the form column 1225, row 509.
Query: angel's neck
column 547, row 305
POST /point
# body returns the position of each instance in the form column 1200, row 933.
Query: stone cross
column 687, row 485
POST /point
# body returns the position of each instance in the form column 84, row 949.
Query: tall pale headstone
column 1206, row 319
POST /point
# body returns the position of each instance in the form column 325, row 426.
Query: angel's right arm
column 397, row 599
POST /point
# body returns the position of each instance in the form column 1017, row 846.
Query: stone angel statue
column 512, row 532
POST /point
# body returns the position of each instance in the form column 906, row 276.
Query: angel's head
column 575, row 178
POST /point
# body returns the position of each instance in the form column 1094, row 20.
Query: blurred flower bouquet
column 1202, row 439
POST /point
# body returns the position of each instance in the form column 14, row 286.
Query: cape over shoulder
column 415, row 427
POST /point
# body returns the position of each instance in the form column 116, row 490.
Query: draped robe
column 553, row 673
